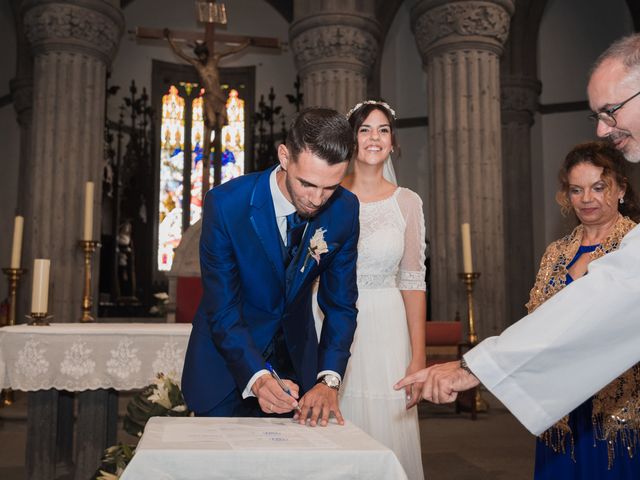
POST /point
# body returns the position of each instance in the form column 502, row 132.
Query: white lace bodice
column 391, row 249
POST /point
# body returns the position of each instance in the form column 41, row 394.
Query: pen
column 283, row 385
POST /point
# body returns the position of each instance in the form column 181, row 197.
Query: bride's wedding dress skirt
column 380, row 355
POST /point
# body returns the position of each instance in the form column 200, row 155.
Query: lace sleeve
column 411, row 275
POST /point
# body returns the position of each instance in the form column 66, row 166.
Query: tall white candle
column 88, row 211
column 40, row 290
column 466, row 248
column 16, row 248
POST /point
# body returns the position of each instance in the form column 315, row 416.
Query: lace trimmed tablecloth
column 76, row 357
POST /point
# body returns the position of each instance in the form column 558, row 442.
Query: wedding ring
column 271, row 408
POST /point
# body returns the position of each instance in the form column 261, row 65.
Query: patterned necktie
column 295, row 229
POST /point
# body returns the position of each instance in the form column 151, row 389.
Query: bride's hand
column 414, row 390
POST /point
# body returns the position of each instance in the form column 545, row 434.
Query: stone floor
column 494, row 447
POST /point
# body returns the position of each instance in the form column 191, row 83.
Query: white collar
column 281, row 205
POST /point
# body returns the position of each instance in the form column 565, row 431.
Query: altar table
column 93, row 360
column 183, row 448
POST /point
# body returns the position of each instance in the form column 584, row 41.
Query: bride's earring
column 621, row 200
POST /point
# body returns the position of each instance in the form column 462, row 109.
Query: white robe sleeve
column 578, row 341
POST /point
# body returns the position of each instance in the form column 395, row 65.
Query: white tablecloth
column 76, row 356
column 265, row 448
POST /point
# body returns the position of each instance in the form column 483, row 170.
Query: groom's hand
column 272, row 398
column 442, row 382
column 317, row 404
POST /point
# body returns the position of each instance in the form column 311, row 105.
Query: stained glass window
column 171, row 174
column 172, row 163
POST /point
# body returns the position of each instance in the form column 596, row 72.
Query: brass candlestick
column 13, row 275
column 469, row 279
column 88, row 247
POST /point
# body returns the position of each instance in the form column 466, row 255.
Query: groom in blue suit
column 266, row 238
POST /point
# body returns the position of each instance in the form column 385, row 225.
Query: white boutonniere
column 317, row 246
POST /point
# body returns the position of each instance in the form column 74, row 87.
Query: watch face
column 331, row 381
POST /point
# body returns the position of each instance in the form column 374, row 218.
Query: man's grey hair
column 627, row 50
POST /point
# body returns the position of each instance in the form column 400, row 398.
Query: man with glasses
column 586, row 335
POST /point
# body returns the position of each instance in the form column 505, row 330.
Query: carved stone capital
column 519, row 99
column 22, row 96
column 447, row 25
column 92, row 27
column 335, row 41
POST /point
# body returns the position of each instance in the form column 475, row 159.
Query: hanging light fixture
column 209, row 11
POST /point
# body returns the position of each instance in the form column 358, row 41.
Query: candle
column 88, row 211
column 40, row 290
column 466, row 248
column 16, row 248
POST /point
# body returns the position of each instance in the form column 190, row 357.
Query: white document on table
column 249, row 436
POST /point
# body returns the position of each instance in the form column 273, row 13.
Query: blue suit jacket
column 248, row 294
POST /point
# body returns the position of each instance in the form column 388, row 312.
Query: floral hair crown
column 373, row 102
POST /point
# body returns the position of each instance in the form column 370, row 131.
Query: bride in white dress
column 389, row 340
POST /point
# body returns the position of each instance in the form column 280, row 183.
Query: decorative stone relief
column 320, row 44
column 460, row 19
column 64, row 26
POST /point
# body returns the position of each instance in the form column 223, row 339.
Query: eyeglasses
column 607, row 115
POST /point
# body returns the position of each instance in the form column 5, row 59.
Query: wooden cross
column 205, row 62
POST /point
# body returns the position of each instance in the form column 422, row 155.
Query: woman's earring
column 621, row 200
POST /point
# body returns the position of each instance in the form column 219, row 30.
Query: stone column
column 72, row 42
column 335, row 45
column 519, row 104
column 460, row 43
column 520, row 93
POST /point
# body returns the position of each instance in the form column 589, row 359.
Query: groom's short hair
column 323, row 132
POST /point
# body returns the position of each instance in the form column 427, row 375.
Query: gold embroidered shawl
column 616, row 408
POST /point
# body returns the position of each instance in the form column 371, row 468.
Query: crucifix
column 205, row 61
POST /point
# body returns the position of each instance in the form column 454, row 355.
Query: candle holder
column 88, row 247
column 13, row 276
column 39, row 319
column 469, row 279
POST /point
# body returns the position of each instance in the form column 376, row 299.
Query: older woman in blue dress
column 596, row 440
